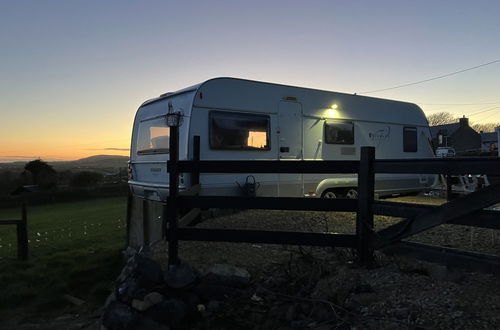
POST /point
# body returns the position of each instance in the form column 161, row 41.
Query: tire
column 331, row 194
column 351, row 193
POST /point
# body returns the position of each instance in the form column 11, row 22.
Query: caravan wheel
column 351, row 193
column 331, row 193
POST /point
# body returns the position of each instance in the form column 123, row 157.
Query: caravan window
column 410, row 139
column 238, row 131
column 153, row 136
column 339, row 133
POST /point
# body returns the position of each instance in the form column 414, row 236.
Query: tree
column 441, row 118
column 485, row 127
column 42, row 174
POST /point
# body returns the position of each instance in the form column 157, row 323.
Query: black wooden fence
column 22, row 233
column 467, row 210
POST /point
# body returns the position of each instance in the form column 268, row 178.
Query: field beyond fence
column 74, row 248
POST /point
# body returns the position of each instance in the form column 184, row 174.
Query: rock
column 129, row 252
column 119, row 316
column 131, row 288
column 148, row 270
column 139, row 276
column 149, row 300
column 141, row 267
column 180, row 276
column 256, row 298
column 192, row 301
column 227, row 275
column 169, row 312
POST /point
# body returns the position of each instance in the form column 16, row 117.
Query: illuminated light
column 334, row 106
column 331, row 113
column 257, row 139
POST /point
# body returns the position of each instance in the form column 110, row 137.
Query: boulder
column 168, row 312
column 119, row 316
column 180, row 276
column 149, row 300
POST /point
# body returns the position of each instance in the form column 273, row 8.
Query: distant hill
column 98, row 161
column 101, row 159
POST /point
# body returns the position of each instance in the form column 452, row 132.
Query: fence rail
column 22, row 233
column 467, row 211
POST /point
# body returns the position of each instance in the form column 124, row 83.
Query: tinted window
column 237, row 131
column 153, row 136
column 339, row 133
column 409, row 139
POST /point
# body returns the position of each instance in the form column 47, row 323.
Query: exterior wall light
column 174, row 118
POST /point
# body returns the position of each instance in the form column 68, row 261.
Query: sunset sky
column 72, row 73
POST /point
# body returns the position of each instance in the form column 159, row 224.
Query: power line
column 489, row 116
column 454, row 104
column 483, row 110
column 430, row 79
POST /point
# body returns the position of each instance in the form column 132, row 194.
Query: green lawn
column 74, row 248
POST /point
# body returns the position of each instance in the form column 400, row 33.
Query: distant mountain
column 102, row 158
column 100, row 161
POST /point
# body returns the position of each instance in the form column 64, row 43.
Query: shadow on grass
column 39, row 285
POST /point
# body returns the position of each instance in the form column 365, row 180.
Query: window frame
column 339, row 122
column 151, row 151
column 407, row 148
column 213, row 113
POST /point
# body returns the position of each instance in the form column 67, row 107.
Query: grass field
column 74, row 248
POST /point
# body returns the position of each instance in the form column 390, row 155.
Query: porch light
column 174, row 118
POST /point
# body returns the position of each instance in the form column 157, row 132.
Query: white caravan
column 239, row 119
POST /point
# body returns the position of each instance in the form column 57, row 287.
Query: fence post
column 130, row 200
column 145, row 223
column 364, row 216
column 195, row 176
column 172, row 209
column 22, row 235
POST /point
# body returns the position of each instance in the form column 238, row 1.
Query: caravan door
column 290, row 147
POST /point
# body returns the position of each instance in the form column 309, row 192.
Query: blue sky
column 74, row 72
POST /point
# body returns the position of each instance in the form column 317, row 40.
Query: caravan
column 239, row 119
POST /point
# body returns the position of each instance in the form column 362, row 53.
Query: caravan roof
column 256, row 96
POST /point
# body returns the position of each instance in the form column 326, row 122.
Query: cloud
column 22, row 157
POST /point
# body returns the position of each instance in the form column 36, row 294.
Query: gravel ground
column 401, row 294
column 322, row 288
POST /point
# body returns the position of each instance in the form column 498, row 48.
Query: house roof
column 447, row 129
column 489, row 137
